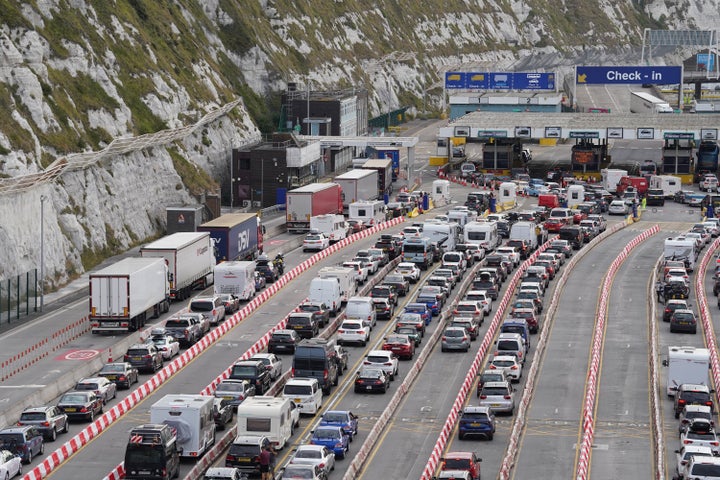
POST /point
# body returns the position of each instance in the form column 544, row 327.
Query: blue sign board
column 627, row 75
column 455, row 80
column 706, row 61
column 478, row 80
column 534, row 81
column 501, row 81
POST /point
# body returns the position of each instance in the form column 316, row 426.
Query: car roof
column 379, row 352
column 302, row 381
column 37, row 409
column 698, row 408
column 504, row 357
column 284, row 331
column 694, row 387
column 476, row 409
column 505, row 384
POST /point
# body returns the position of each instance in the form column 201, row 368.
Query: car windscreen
column 695, row 397
column 201, row 306
column 456, row 464
column 377, row 359
column 466, row 308
column 11, row 439
column 508, row 345
column 494, row 391
column 32, row 416
column 281, row 336
column 230, row 387
column 351, row 326
column 87, row 386
column 298, row 321
column 137, row 351
column 307, row 453
column 326, row 434
column 291, row 389
column 138, row 456
column 414, row 248
column 475, row 416
column 454, row 333
column 244, row 371
column 702, row 470
column 247, row 451
column 178, row 323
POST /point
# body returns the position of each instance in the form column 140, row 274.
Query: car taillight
column 687, row 442
column 483, row 396
column 388, row 364
column 325, row 374
column 681, row 402
column 507, row 397
column 19, row 424
column 341, row 331
column 444, row 338
column 708, row 403
column 514, row 367
column 492, row 367
column 714, row 444
column 122, row 378
column 147, row 357
column 83, row 410
column 292, row 372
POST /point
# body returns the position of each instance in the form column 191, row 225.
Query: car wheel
column 490, row 436
column 42, row 448
column 53, row 434
column 29, row 457
column 91, row 416
column 66, row 428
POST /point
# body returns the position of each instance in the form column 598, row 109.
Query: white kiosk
column 507, row 195
column 441, row 192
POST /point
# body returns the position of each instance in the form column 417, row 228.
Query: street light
column 42, row 251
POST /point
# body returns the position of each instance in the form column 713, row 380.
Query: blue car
column 431, row 301
column 334, row 438
column 343, row 419
column 25, row 441
column 477, row 422
column 419, row 308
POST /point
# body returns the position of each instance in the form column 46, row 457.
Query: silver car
column 499, row 396
column 455, row 338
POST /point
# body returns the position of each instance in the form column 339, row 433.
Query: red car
column 466, row 461
column 529, row 316
column 554, row 224
column 401, row 345
column 578, row 216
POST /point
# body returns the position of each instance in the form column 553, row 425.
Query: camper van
column 683, row 249
column 686, row 365
column 370, row 213
column 484, row 234
column 669, row 184
column 192, row 417
column 346, row 280
column 236, row 278
column 445, row 234
column 266, row 416
column 333, row 226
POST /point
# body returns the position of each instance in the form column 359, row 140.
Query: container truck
column 190, row 260
column 236, row 278
column 384, row 169
column 393, row 153
column 235, row 236
column 611, row 177
column 124, row 295
column 312, row 200
column 358, row 185
column 643, row 102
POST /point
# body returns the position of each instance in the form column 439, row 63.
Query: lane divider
column 52, row 461
column 653, row 355
column 588, row 412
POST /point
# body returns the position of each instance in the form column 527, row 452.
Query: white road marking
column 20, row 386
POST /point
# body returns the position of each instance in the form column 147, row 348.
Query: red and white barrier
column 129, row 402
column 598, row 341
column 33, row 354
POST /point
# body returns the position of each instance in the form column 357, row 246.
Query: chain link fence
column 19, row 296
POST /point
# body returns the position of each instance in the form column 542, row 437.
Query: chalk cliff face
column 81, row 76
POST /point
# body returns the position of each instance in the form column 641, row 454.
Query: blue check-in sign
column 593, row 75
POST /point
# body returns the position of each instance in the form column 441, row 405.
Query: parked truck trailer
column 311, row 200
column 358, row 185
column 190, row 260
column 235, row 236
column 384, row 169
column 124, row 295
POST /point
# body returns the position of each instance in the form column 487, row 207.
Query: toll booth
column 677, row 155
column 589, row 154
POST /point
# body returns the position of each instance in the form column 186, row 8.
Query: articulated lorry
column 358, row 185
column 383, row 166
column 190, row 260
column 643, row 102
column 124, row 295
column 235, row 236
column 312, row 200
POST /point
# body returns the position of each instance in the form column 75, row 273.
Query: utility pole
column 42, row 251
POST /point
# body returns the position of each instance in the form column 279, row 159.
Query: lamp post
column 42, row 251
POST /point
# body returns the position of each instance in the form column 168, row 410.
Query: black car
column 121, row 374
column 401, row 284
column 255, row 372
column 144, row 357
column 372, row 380
column 84, row 405
column 385, row 291
column 503, row 228
column 320, row 312
column 283, row 341
column 688, row 394
column 265, row 267
column 304, row 324
column 676, row 289
column 655, row 196
column 222, row 413
column 388, row 244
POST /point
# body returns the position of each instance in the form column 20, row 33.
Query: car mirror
column 664, row 363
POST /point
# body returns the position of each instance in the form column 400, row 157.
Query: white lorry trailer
column 611, row 177
column 192, row 417
column 687, row 365
column 346, row 277
column 360, row 184
column 643, row 102
column 124, row 295
column 190, row 260
column 236, row 278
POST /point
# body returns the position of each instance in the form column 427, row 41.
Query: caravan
column 333, row 226
column 192, row 418
column 462, row 216
column 681, row 248
column 235, row 278
column 445, row 234
column 669, row 184
column 345, row 277
column 686, row 365
column 484, row 234
column 369, row 213
column 575, row 195
column 266, row 416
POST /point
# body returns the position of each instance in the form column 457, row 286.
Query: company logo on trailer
column 243, row 240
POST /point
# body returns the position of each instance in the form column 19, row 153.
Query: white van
column 346, row 280
column 484, row 234
column 192, row 417
column 370, row 213
column 305, row 393
column 525, row 231
column 333, row 226
column 266, row 416
column 669, row 184
column 327, row 291
column 575, row 195
column 361, row 308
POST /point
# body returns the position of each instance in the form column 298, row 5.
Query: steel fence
column 19, row 296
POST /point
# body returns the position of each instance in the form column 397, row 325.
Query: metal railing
column 119, row 146
column 19, row 296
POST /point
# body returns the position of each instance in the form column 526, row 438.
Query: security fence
column 19, row 296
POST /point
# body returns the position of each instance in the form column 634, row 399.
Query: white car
column 702, row 468
column 315, row 455
column 353, row 331
column 412, row 231
column 684, row 455
column 508, row 364
column 10, row 464
column 315, row 241
column 712, row 228
column 384, row 360
column 361, row 272
column 101, row 386
column 367, row 262
column 700, row 432
column 168, row 345
column 272, row 363
column 618, row 207
column 408, row 270
column 677, row 272
column 699, row 240
column 512, row 252
column 372, row 259
column 482, row 297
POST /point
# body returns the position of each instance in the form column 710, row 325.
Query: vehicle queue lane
column 551, row 436
column 623, row 434
column 107, row 450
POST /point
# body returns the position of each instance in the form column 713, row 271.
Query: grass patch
column 195, row 179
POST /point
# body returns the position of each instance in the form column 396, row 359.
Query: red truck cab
column 640, row 184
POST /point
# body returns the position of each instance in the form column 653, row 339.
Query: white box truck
column 358, row 185
column 267, row 416
column 333, row 226
column 643, row 102
column 190, row 260
column 236, row 278
column 192, row 417
column 346, row 278
column 686, row 365
column 124, row 295
column 611, row 177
